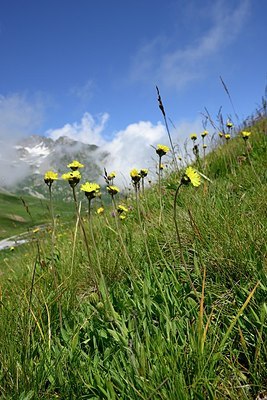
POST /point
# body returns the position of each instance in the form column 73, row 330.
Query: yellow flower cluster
column 74, row 165
column 50, row 177
column 91, row 190
column 191, row 176
column 73, row 178
column 112, row 190
column 162, row 150
column 245, row 135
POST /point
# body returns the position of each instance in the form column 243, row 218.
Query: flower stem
column 179, row 238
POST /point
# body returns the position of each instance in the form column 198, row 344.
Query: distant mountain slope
column 37, row 154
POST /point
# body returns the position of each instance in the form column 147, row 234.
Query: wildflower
column 100, row 210
column 245, row 135
column 91, row 190
column 191, row 176
column 12, row 248
column 74, row 165
column 229, row 124
column 143, row 172
column 122, row 217
column 35, row 230
column 204, row 146
column 111, row 176
column 73, row 178
column 227, row 136
column 162, row 150
column 122, row 209
column 193, row 136
column 204, row 133
column 135, row 175
column 50, row 177
column 112, row 190
column 220, row 134
column 161, row 167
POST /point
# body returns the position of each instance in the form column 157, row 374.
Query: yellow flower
column 220, row 134
column 227, row 136
column 193, row 136
column 143, row 172
column 73, row 177
column 204, row 146
column 245, row 135
column 111, row 176
column 50, row 177
column 122, row 217
column 35, row 230
column 74, row 165
column 191, row 176
column 90, row 189
column 229, row 124
column 122, row 209
column 100, row 210
column 12, row 248
column 162, row 150
column 161, row 167
column 204, row 133
column 113, row 190
column 135, row 175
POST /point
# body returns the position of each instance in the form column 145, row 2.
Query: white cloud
column 18, row 118
column 179, row 66
column 83, row 92
column 130, row 147
column 88, row 130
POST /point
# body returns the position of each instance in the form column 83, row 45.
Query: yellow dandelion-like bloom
column 193, row 136
column 204, row 146
column 161, row 167
column 135, row 175
column 90, row 189
column 111, row 176
column 112, row 190
column 100, row 210
column 227, row 136
column 229, row 124
column 122, row 217
column 220, row 134
column 191, row 176
column 122, row 209
column 143, row 172
column 204, row 133
column 50, row 177
column 12, row 248
column 245, row 135
column 74, row 165
column 73, row 178
column 162, row 150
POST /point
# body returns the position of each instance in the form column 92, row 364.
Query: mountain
column 38, row 154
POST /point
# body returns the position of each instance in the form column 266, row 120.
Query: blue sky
column 89, row 69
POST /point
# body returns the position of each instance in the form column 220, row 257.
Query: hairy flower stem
column 120, row 235
column 160, row 198
column 142, row 225
column 53, row 251
column 85, row 239
column 179, row 238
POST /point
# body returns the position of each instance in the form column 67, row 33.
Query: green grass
column 15, row 219
column 122, row 321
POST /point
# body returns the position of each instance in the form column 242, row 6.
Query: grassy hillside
column 168, row 303
column 19, row 213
